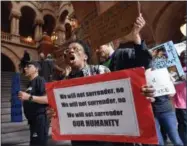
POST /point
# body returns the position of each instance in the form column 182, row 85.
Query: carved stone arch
column 12, row 56
column 48, row 12
column 66, row 6
column 63, row 16
column 49, row 23
column 22, row 4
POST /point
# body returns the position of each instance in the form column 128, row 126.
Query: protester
column 125, row 58
column 76, row 56
column 165, row 119
column 35, row 102
column 51, row 65
column 46, row 68
column 49, row 57
column 180, row 104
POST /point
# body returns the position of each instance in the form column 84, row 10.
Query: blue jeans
column 169, row 122
column 182, row 124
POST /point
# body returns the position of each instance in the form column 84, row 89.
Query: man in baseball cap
column 35, row 102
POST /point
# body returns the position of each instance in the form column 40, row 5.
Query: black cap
column 35, row 63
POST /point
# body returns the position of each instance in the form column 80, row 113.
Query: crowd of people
column 169, row 111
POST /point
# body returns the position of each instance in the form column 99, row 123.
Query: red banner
column 133, row 79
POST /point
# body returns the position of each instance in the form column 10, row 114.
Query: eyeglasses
column 76, row 49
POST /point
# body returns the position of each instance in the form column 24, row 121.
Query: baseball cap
column 35, row 63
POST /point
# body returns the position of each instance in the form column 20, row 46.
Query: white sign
column 97, row 108
column 180, row 47
column 161, row 81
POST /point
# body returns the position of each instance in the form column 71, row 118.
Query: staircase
column 15, row 134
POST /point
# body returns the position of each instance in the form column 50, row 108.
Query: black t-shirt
column 36, row 87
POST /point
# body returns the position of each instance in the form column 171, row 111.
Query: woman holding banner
column 77, row 55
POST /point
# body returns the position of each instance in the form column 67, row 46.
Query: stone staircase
column 14, row 134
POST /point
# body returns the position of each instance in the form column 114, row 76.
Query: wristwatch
column 30, row 98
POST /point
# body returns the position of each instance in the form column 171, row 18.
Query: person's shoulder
column 40, row 79
column 120, row 51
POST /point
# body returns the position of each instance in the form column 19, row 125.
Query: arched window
column 49, row 24
column 27, row 22
column 5, row 21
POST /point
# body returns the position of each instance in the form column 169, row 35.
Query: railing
column 24, row 41
column 7, row 37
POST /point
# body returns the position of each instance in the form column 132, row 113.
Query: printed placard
column 97, row 109
column 165, row 56
column 161, row 81
column 107, row 107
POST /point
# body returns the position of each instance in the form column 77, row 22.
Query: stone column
column 13, row 24
column 41, row 32
column 38, row 29
column 17, row 26
column 60, row 31
column 15, row 16
column 37, row 33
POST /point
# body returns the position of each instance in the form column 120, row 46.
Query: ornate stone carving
column 60, row 27
column 39, row 21
column 15, row 13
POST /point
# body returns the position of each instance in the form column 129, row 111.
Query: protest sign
column 165, row 56
column 180, row 47
column 84, row 16
column 114, row 23
column 161, row 81
column 107, row 107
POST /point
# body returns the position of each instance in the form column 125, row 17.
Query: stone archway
column 49, row 24
column 5, row 22
column 27, row 21
column 13, row 57
column 7, row 64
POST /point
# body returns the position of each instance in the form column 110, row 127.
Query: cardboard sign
column 114, row 23
column 107, row 107
column 85, row 15
column 161, row 81
column 165, row 56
